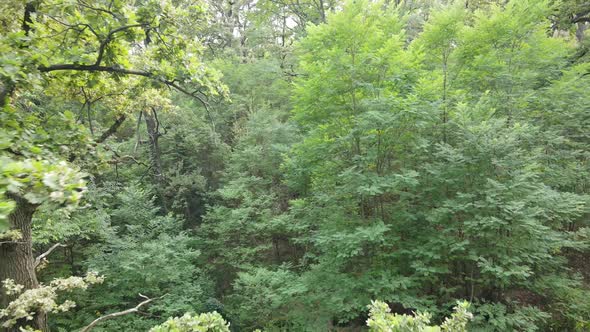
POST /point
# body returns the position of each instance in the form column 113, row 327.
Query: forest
column 294, row 165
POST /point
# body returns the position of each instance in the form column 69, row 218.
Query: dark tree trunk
column 580, row 29
column 17, row 261
column 16, row 258
column 322, row 10
column 112, row 129
column 6, row 90
column 153, row 129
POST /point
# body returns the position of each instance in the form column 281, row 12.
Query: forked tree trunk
column 17, row 261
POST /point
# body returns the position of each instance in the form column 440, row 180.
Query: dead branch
column 40, row 258
column 120, row 313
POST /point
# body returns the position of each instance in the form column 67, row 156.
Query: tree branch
column 122, row 158
column 120, row 313
column 121, row 70
column 40, row 258
column 188, row 93
column 112, row 129
column 14, row 152
column 12, row 242
column 108, row 11
column 108, row 39
column 94, row 68
column 74, row 26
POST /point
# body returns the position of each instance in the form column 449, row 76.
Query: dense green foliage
column 281, row 165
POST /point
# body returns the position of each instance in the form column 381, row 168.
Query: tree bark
column 17, row 260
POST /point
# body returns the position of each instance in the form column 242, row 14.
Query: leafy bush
column 208, row 322
column 381, row 320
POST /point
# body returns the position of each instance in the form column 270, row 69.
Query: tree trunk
column 322, row 10
column 580, row 29
column 153, row 129
column 17, row 261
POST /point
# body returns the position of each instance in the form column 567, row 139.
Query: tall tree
column 57, row 41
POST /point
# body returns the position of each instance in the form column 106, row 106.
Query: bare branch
column 40, row 258
column 188, row 93
column 108, row 11
column 80, row 27
column 120, row 313
column 122, row 158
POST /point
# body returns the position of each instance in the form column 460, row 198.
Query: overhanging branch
column 120, row 70
column 94, row 68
